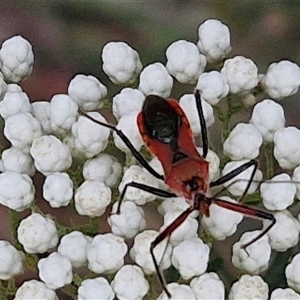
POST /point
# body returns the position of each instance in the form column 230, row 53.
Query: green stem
column 77, row 279
column 94, row 222
column 7, row 289
column 268, row 154
column 129, row 159
column 14, row 222
column 36, row 210
column 92, row 228
column 31, row 261
column 225, row 128
column 225, row 115
column 70, row 290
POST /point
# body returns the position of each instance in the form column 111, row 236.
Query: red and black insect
column 167, row 134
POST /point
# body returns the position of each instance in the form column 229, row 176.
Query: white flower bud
column 185, row 62
column 121, row 63
column 241, row 74
column 214, row 40
column 156, row 80
column 249, row 288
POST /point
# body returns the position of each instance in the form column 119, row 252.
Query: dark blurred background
column 67, row 38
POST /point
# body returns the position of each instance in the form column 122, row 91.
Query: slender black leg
column 250, row 212
column 236, row 172
column 202, row 124
column 127, row 142
column 150, row 189
column 163, row 235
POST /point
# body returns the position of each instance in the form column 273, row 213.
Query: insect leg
column 202, row 123
column 127, row 142
column 163, row 235
column 250, row 212
column 236, row 172
column 146, row 188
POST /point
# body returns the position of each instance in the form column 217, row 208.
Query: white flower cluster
column 48, row 137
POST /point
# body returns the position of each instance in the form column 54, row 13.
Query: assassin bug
column 166, row 133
